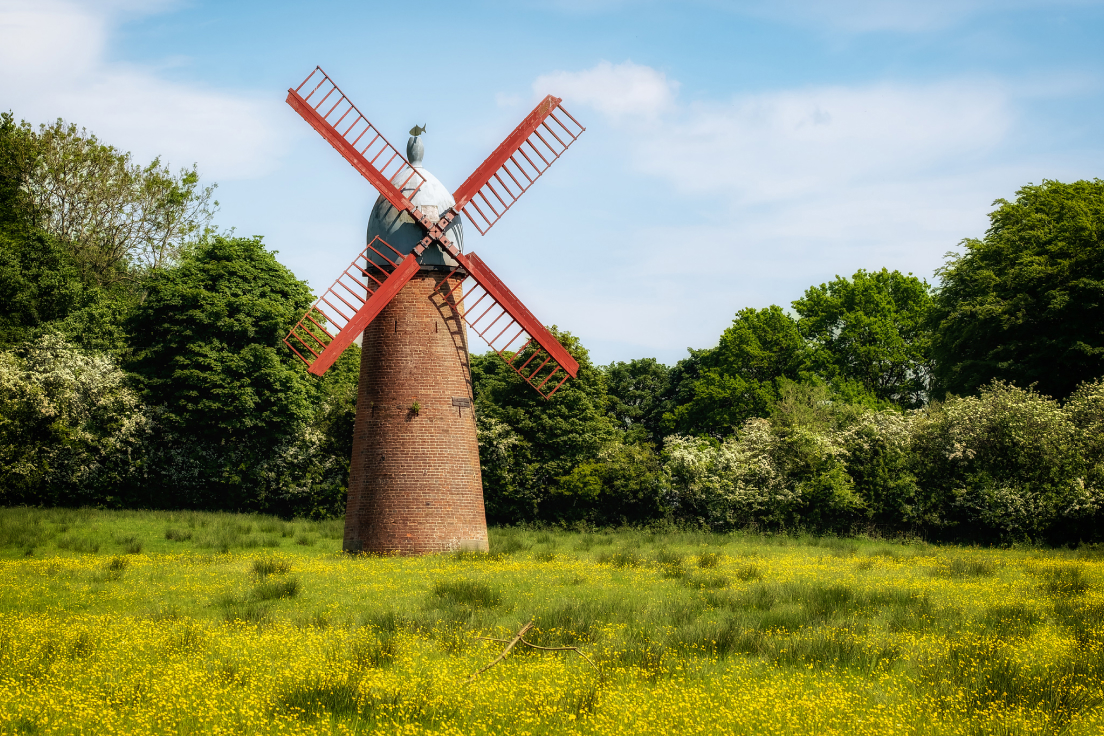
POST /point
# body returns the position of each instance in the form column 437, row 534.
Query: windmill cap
column 399, row 230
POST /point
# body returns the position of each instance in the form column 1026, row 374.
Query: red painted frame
column 498, row 291
column 496, row 166
column 332, row 136
column 375, row 304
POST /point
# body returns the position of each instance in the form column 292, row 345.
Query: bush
column 1007, row 465
column 1000, row 466
column 623, row 485
column 71, row 429
column 787, row 471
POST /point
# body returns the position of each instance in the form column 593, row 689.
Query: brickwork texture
column 414, row 484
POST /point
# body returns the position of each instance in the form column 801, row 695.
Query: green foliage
column 17, row 158
column 93, row 245
column 1085, row 408
column 623, row 485
column 43, row 288
column 871, row 329
column 71, row 429
column 119, row 219
column 528, row 443
column 1002, row 465
column 636, row 397
column 739, row 378
column 1026, row 303
column 39, row 284
column 234, row 411
column 789, row 470
column 205, row 342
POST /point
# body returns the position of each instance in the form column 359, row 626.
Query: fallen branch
column 519, row 639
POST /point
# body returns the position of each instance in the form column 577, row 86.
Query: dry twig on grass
column 519, row 639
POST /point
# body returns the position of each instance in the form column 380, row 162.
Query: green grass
column 181, row 622
column 36, row 532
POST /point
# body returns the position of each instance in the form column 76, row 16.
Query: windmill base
column 415, row 485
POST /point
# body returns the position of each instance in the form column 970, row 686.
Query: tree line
column 141, row 365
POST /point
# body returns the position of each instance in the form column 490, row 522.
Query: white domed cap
column 399, row 229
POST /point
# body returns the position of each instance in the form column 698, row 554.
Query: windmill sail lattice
column 362, row 291
column 518, row 161
column 346, row 308
column 337, row 119
column 493, row 312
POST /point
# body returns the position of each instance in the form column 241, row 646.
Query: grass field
column 189, row 623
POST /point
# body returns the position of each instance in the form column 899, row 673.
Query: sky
column 736, row 152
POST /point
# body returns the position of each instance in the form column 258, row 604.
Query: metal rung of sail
column 495, row 314
column 322, row 104
column 335, row 320
column 517, row 163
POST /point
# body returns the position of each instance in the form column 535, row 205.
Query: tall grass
column 864, row 635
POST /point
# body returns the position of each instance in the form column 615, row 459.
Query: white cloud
column 55, row 65
column 621, row 90
column 811, row 142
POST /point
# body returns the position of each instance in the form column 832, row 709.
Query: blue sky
column 736, row 153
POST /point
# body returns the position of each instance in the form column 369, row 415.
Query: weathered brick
column 414, row 483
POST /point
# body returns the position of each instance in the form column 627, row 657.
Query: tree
column 1026, row 303
column 636, row 391
column 120, row 218
column 528, row 443
column 45, row 287
column 233, row 406
column 16, row 160
column 739, row 378
column 871, row 329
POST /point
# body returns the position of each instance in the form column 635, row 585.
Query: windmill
column 414, row 482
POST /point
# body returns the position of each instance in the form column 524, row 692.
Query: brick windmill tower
column 414, row 483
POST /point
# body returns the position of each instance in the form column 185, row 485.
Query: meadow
column 187, row 623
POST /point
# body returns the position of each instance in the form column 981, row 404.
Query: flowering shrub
column 730, row 483
column 1007, row 465
column 73, row 432
column 71, row 429
column 1004, row 464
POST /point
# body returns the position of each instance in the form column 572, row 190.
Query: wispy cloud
column 617, row 91
column 798, row 143
column 55, row 65
column 790, row 144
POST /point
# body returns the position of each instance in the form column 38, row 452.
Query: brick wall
column 414, row 484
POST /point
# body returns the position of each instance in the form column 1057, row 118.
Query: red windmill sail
column 343, row 126
column 491, row 310
column 517, row 163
